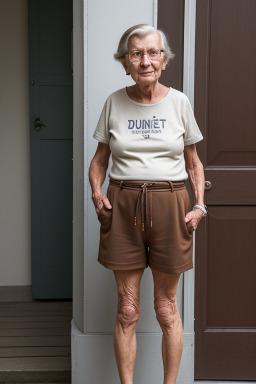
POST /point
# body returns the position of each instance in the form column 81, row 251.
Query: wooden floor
column 35, row 341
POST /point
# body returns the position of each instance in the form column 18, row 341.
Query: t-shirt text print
column 147, row 140
column 146, row 127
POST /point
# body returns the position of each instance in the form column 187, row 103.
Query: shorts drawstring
column 171, row 184
column 143, row 196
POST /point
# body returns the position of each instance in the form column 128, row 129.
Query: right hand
column 100, row 200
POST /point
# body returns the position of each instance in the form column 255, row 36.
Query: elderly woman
column 146, row 217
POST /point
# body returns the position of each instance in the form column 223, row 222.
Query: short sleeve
column 192, row 132
column 101, row 132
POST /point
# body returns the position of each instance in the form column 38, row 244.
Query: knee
column 167, row 311
column 128, row 311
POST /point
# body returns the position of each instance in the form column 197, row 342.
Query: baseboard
column 12, row 293
column 91, row 350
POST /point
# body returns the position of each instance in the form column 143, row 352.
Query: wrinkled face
column 145, row 72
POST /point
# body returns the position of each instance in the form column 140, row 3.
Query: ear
column 164, row 65
column 123, row 62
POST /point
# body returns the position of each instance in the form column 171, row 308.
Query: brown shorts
column 146, row 226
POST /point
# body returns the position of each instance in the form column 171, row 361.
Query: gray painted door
column 51, row 105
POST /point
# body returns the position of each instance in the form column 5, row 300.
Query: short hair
column 142, row 30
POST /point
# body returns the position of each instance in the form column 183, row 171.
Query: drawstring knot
column 171, row 185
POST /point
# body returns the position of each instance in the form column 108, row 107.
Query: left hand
column 192, row 219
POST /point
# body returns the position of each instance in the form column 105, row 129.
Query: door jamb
column 188, row 89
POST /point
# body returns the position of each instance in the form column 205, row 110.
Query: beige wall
column 15, row 250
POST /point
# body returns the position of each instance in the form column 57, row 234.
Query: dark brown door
column 171, row 21
column 225, row 267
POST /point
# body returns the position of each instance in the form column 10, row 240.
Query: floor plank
column 34, row 332
column 35, row 340
column 25, row 319
column 36, row 363
column 36, row 324
column 34, row 351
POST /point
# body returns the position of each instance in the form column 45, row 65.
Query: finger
column 106, row 202
column 191, row 226
column 98, row 209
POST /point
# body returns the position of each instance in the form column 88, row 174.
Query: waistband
column 149, row 184
column 143, row 186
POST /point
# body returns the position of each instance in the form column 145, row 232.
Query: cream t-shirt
column 147, row 140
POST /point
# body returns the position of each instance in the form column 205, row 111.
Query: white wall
column 15, row 252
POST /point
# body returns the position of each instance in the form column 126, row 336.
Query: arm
column 195, row 170
column 97, row 174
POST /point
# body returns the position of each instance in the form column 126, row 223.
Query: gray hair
column 142, row 30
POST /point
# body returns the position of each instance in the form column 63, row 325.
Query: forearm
column 97, row 174
column 197, row 180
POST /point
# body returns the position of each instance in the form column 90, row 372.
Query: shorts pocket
column 186, row 228
column 102, row 212
column 185, row 207
column 188, row 209
column 105, row 214
column 105, row 219
column 103, row 209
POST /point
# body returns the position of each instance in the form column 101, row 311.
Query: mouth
column 146, row 73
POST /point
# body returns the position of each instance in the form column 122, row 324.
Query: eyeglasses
column 136, row 56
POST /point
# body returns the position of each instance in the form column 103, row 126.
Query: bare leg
column 128, row 312
column 167, row 314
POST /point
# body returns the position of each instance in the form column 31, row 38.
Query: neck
column 147, row 93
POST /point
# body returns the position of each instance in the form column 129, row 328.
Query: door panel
column 235, row 229
column 225, row 284
column 171, row 21
column 51, row 100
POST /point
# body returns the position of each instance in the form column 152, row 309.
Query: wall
column 15, row 252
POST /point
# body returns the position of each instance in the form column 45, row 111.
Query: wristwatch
column 202, row 209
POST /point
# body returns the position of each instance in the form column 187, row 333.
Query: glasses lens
column 154, row 54
column 136, row 56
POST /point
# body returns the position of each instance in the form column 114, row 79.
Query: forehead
column 149, row 41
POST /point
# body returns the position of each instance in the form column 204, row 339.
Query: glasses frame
column 144, row 54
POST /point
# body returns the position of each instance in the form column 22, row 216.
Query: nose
column 145, row 62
